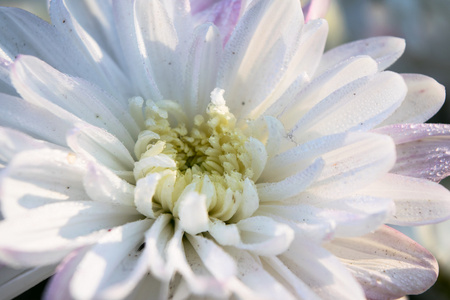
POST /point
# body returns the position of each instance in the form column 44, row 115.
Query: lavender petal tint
column 423, row 150
column 316, row 9
column 223, row 13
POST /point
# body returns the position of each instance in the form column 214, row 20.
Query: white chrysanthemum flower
column 158, row 155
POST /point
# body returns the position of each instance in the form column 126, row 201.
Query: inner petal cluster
column 208, row 155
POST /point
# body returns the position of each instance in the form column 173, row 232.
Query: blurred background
column 425, row 25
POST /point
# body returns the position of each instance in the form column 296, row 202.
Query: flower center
column 211, row 158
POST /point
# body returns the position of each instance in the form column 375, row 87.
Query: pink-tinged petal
column 71, row 98
column 384, row 50
column 423, row 150
column 13, row 282
column 321, row 271
column 424, row 98
column 36, row 121
column 417, row 201
column 316, row 9
column 109, row 260
column 59, row 285
column 37, row 177
column 356, row 99
column 387, row 263
column 222, row 13
column 405, row 133
column 46, row 234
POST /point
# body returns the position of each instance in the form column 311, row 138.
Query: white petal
column 98, row 145
column 97, row 19
column 278, row 269
column 325, row 84
column 5, row 81
column 201, row 69
column 355, row 165
column 321, row 271
column 33, row 120
column 387, row 264
column 254, row 281
column 101, row 184
column 14, row 142
column 224, row 234
column 248, row 203
column 108, row 259
column 215, row 259
column 385, row 51
column 192, row 212
column 352, row 107
column 259, row 156
column 36, row 37
column 143, row 197
column 72, row 98
column 37, row 177
column 347, row 217
column 156, row 35
column 203, row 280
column 300, row 157
column 359, row 215
column 275, row 136
column 109, row 76
column 184, row 259
column 137, row 61
column 417, row 201
column 260, row 235
column 145, row 165
column 14, row 282
column 292, row 185
column 256, row 47
column 156, row 241
column 47, row 234
column 305, row 220
column 263, row 236
column 424, row 98
column 309, row 52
